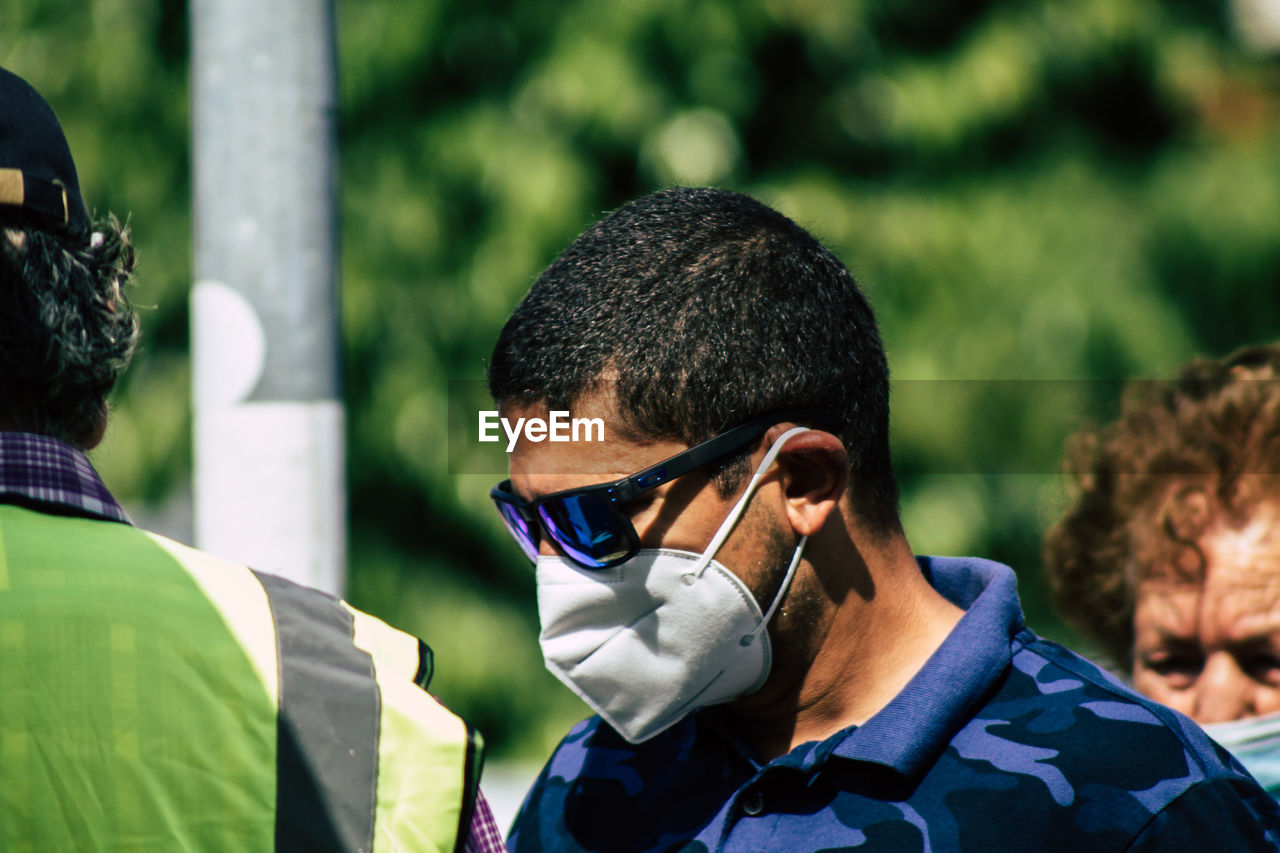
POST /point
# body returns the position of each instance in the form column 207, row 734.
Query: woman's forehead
column 1238, row 549
column 1235, row 598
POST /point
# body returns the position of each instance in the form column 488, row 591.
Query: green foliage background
column 1038, row 196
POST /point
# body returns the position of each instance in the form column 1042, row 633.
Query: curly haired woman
column 1169, row 556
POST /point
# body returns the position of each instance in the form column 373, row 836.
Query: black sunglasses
column 588, row 523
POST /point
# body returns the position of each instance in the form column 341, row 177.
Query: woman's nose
column 1224, row 691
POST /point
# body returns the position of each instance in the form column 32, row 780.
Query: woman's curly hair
column 67, row 329
column 1185, row 456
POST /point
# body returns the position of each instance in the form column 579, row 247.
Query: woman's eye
column 1175, row 668
column 1264, row 667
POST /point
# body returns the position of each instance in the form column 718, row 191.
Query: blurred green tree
column 1041, row 198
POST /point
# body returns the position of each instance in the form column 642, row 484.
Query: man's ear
column 815, row 474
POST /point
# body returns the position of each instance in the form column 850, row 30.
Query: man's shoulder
column 1060, row 752
column 227, row 580
column 1079, row 726
column 1060, row 677
column 184, row 553
column 205, row 566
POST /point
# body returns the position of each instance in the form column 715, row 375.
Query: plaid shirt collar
column 35, row 469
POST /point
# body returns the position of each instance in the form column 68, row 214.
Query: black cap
column 38, row 179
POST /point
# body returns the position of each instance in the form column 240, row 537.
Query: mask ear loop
column 732, row 520
column 748, row 639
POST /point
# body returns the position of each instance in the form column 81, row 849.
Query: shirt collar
column 942, row 697
column 50, row 474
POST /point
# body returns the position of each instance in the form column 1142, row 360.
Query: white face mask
column 665, row 633
column 1255, row 742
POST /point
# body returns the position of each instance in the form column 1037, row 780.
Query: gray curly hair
column 67, row 330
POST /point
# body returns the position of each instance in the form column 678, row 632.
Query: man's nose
column 1224, row 691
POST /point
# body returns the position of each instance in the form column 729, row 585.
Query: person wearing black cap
column 153, row 697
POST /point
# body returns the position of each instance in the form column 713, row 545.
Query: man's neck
column 866, row 641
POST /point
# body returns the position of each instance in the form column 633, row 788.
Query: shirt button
column 753, row 804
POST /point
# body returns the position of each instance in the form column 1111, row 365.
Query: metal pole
column 269, row 485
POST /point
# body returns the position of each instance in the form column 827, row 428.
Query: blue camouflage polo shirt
column 1002, row 742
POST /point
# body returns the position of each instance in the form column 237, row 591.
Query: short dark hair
column 67, row 329
column 1184, row 456
column 710, row 308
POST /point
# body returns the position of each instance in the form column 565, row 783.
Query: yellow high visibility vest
column 155, row 698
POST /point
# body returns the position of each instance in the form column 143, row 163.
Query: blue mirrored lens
column 585, row 528
column 519, row 529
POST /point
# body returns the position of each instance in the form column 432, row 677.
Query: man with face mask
column 724, row 580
